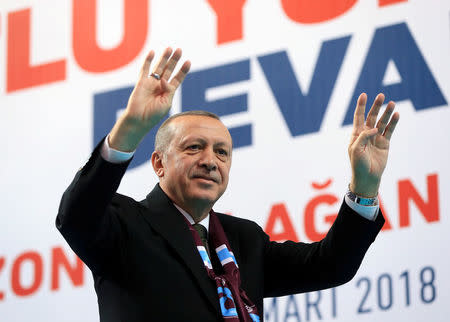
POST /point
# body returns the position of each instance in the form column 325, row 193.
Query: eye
column 222, row 152
column 194, row 147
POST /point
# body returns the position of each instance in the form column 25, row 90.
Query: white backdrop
column 283, row 74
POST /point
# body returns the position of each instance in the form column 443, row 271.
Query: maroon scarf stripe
column 234, row 302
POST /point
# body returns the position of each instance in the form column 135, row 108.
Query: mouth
column 207, row 178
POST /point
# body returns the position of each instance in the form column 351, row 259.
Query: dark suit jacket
column 146, row 266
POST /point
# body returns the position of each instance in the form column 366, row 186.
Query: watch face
column 365, row 201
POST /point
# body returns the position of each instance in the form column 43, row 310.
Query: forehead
column 191, row 127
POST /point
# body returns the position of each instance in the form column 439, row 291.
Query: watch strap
column 363, row 201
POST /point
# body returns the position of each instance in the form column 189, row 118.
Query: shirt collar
column 204, row 221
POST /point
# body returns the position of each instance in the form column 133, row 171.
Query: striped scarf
column 234, row 303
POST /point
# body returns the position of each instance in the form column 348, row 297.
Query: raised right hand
column 149, row 102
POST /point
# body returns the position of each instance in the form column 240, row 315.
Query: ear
column 157, row 163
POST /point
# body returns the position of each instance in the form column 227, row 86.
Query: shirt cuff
column 112, row 155
column 368, row 212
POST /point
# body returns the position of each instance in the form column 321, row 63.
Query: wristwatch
column 361, row 200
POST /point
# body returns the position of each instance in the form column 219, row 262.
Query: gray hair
column 164, row 133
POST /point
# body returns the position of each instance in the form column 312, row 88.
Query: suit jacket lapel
column 169, row 222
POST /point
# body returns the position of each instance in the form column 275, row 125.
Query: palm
column 152, row 98
column 372, row 157
column 149, row 101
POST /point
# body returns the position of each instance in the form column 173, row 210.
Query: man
column 151, row 260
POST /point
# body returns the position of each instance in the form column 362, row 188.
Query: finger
column 364, row 138
column 391, row 126
column 179, row 77
column 374, row 110
column 162, row 61
column 164, row 85
column 146, row 66
column 383, row 121
column 171, row 64
column 358, row 118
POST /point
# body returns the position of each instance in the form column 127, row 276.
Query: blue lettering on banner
column 197, row 83
column 395, row 43
column 362, row 308
column 383, row 290
column 313, row 304
column 303, row 113
column 291, row 313
column 106, row 106
column 271, row 311
column 227, row 295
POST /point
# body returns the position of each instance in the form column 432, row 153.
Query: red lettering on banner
column 310, row 214
column 382, row 3
column 310, row 211
column 407, row 193
column 16, row 283
column 20, row 73
column 75, row 272
column 2, row 263
column 306, row 11
column 320, row 186
column 229, row 19
column 387, row 223
column 86, row 51
column 279, row 213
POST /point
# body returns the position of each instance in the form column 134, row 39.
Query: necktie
column 203, row 233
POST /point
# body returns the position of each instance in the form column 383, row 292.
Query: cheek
column 225, row 172
column 183, row 168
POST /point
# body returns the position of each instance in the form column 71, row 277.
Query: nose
column 208, row 160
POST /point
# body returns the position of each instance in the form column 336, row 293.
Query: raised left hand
column 369, row 145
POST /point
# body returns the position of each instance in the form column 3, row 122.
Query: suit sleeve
column 291, row 267
column 87, row 217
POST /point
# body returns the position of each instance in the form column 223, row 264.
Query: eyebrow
column 203, row 141
column 188, row 140
column 221, row 144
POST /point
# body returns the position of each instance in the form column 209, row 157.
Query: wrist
column 126, row 134
column 360, row 200
column 364, row 190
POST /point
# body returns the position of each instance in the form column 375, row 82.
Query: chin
column 206, row 196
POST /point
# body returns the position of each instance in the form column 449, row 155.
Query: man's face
column 196, row 164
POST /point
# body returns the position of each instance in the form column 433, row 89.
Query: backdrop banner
column 284, row 76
